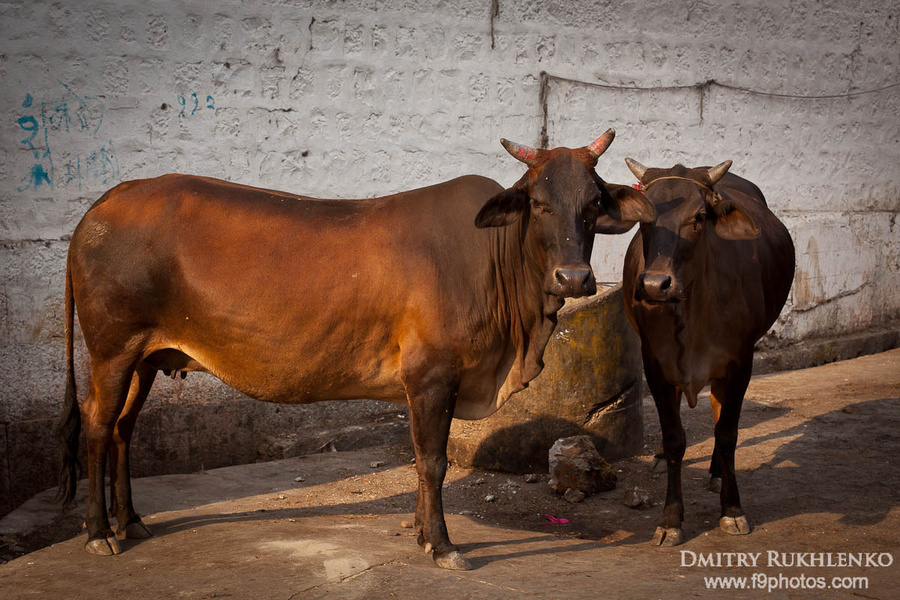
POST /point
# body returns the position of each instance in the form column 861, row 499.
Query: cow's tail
column 68, row 431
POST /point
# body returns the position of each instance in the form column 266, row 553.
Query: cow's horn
column 600, row 145
column 637, row 168
column 718, row 172
column 526, row 154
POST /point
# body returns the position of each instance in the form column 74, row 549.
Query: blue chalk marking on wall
column 191, row 104
column 72, row 114
column 41, row 172
column 38, row 176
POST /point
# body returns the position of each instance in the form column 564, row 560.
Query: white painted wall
column 367, row 97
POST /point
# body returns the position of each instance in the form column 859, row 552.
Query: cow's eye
column 699, row 219
column 539, row 207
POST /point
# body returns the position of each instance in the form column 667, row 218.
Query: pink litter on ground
column 555, row 520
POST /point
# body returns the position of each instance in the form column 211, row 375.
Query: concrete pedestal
column 590, row 385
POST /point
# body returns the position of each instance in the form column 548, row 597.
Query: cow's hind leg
column 731, row 392
column 128, row 522
column 668, row 399
column 432, row 399
column 110, row 381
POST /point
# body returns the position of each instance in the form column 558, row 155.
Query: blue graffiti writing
column 41, row 171
column 36, row 177
column 88, row 112
column 191, row 104
column 101, row 165
column 71, row 121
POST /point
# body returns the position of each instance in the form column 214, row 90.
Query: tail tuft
column 68, row 431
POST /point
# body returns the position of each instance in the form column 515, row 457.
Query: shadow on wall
column 211, row 426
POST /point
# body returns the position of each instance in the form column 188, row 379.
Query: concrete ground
column 817, row 466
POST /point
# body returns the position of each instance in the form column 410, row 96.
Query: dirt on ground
column 816, row 461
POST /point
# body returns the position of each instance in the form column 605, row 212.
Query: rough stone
column 576, row 464
column 574, row 496
column 636, row 498
column 590, row 385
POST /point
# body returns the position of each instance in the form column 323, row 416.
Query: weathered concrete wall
column 366, row 97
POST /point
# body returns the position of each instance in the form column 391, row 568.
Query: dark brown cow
column 443, row 298
column 702, row 284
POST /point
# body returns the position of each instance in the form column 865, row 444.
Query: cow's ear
column 502, row 209
column 734, row 223
column 623, row 206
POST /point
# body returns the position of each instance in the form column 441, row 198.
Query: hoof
column 136, row 530
column 715, row 485
column 671, row 536
column 427, row 548
column 735, row 525
column 107, row 546
column 453, row 560
column 658, row 466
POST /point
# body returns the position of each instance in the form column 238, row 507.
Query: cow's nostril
column 656, row 287
column 575, row 282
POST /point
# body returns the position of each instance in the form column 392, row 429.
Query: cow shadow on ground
column 837, row 464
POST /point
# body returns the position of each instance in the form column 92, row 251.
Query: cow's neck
column 693, row 323
column 525, row 313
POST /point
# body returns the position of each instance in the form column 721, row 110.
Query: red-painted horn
column 600, row 145
column 526, row 154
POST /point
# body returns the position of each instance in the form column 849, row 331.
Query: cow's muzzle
column 656, row 288
column 573, row 282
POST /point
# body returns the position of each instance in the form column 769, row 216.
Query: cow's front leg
column 668, row 399
column 731, row 390
column 432, row 399
column 715, row 462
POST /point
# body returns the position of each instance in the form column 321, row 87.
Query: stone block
column 590, row 385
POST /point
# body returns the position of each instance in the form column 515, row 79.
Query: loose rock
column 576, row 464
column 406, row 524
column 490, row 498
column 574, row 496
column 376, row 464
column 636, row 498
column 532, row 478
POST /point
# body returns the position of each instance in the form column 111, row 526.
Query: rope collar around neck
column 716, row 196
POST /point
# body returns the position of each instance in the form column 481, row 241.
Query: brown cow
column 702, row 284
column 443, row 298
